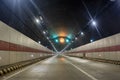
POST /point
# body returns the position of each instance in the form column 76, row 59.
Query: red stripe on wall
column 103, row 49
column 6, row 46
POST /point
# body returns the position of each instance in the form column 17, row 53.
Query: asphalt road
column 67, row 68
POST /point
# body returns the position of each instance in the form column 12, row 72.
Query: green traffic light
column 67, row 41
column 56, row 41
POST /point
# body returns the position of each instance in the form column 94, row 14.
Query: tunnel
column 59, row 40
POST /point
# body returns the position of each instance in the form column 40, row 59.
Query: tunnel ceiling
column 62, row 24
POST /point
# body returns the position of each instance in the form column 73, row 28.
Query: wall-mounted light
column 39, row 42
column 32, row 55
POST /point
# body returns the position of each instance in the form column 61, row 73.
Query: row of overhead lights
column 39, row 21
column 93, row 23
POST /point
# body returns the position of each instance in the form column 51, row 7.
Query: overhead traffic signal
column 67, row 41
column 62, row 40
column 56, row 40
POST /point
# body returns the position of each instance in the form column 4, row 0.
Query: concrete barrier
column 16, row 47
column 104, row 49
column 9, row 68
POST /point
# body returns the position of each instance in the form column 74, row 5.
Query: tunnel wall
column 107, row 48
column 16, row 47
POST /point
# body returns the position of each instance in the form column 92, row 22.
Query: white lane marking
column 5, row 78
column 90, row 76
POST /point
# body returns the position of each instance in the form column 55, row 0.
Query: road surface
column 67, row 68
